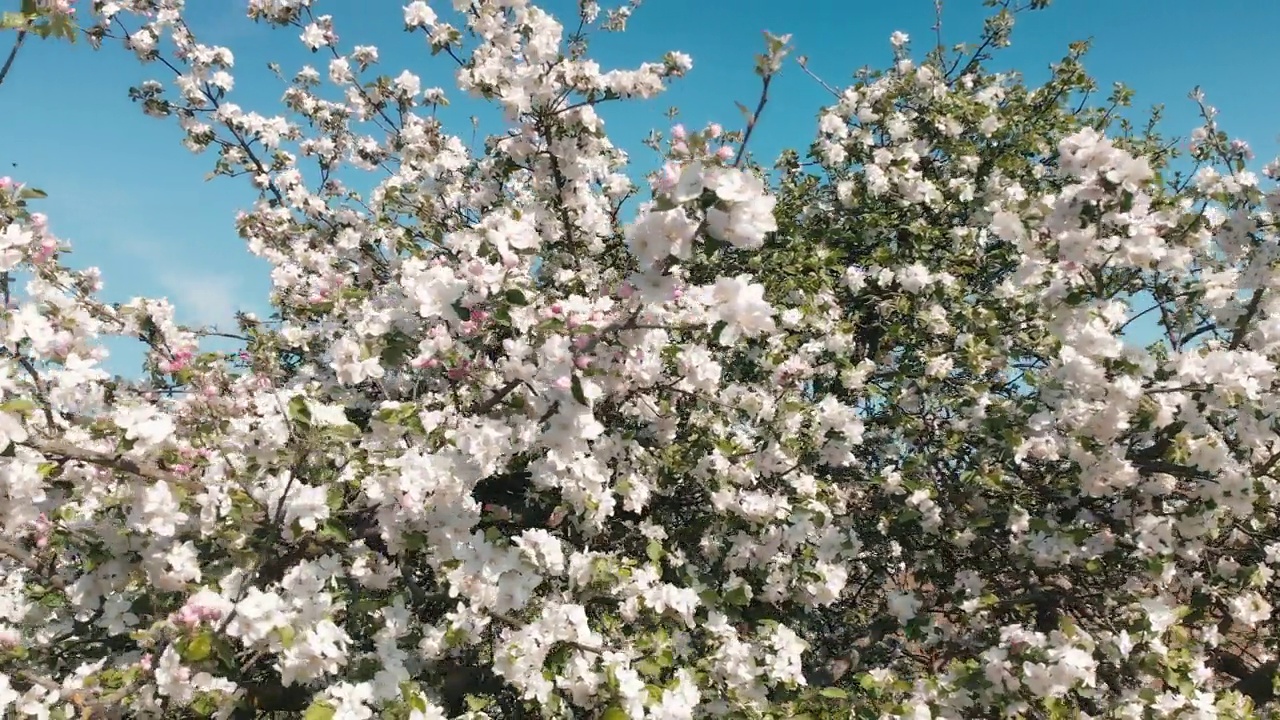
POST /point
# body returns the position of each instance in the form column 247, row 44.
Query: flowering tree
column 868, row 434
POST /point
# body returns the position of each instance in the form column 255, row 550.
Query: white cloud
column 207, row 299
column 202, row 294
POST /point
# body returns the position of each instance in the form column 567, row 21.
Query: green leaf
column 199, row 648
column 738, row 596
column 717, row 329
column 834, row 693
column 334, row 530
column 319, row 710
column 21, row 406
column 397, row 349
column 655, row 550
column 205, row 705
column 575, row 386
column 515, row 297
column 226, row 654
column 615, row 713
column 30, row 193
column 61, row 26
column 299, row 411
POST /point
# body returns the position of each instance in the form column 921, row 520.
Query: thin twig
column 490, row 403
column 13, row 53
column 755, row 119
column 937, row 28
column 30, row 562
column 804, row 65
column 1242, row 326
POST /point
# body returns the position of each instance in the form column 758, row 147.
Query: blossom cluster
column 971, row 412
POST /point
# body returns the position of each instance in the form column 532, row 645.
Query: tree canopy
column 964, row 407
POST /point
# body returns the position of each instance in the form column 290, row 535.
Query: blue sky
column 134, row 202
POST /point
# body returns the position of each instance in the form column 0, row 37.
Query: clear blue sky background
column 134, row 202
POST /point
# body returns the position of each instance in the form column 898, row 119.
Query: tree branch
column 63, row 450
column 13, row 54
